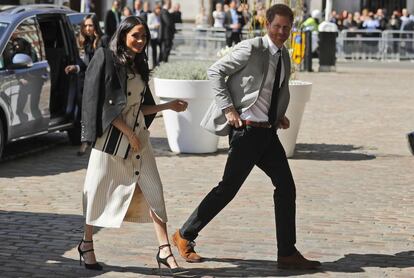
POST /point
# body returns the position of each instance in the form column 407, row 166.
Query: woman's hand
column 134, row 142
column 178, row 105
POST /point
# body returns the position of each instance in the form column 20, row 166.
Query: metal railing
column 193, row 42
column 197, row 42
column 385, row 45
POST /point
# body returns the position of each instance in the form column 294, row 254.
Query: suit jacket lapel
column 265, row 59
column 286, row 63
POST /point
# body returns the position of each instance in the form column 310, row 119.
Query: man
column 138, row 7
column 176, row 14
column 252, row 95
column 233, row 22
column 167, row 31
column 112, row 19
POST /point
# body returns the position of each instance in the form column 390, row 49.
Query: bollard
column 308, row 51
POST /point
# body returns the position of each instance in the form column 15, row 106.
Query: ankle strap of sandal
column 164, row 245
column 87, row 241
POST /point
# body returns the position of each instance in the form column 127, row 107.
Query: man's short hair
column 280, row 10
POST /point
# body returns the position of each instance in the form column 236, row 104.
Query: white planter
column 300, row 92
column 183, row 129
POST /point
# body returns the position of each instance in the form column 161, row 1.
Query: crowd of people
column 161, row 20
column 370, row 20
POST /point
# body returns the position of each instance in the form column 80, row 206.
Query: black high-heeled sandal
column 174, row 271
column 95, row 266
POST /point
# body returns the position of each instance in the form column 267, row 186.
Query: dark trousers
column 154, row 45
column 250, row 146
column 235, row 37
column 166, row 46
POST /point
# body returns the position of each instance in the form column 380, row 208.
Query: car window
column 3, row 27
column 25, row 39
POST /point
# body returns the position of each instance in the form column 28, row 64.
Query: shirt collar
column 272, row 47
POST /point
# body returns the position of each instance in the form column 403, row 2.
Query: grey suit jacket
column 245, row 69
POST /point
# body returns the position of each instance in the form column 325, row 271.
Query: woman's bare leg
column 88, row 257
column 162, row 236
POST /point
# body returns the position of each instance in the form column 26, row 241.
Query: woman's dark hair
column 120, row 50
column 280, row 10
column 98, row 32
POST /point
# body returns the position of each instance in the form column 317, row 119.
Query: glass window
column 3, row 27
column 25, row 39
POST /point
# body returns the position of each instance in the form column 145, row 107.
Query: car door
column 26, row 86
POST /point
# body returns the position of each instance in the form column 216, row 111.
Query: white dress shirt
column 258, row 112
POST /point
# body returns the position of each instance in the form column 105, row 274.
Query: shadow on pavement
column 48, row 162
column 330, row 152
column 161, row 148
column 33, row 244
column 357, row 262
column 350, row 263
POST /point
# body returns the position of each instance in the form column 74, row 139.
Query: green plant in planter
column 183, row 70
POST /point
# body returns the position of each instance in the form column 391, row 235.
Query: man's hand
column 284, row 123
column 71, row 69
column 233, row 117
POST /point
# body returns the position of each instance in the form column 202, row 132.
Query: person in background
column 349, row 22
column 118, row 108
column 112, row 18
column 218, row 16
column 167, row 31
column 405, row 18
column 233, row 23
column 91, row 38
column 370, row 23
column 358, row 20
column 138, row 7
column 226, row 8
column 247, row 15
column 259, row 17
column 145, row 10
column 382, row 19
column 126, row 12
column 176, row 13
column 394, row 22
column 154, row 24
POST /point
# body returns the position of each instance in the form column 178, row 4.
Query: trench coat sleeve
column 94, row 79
column 233, row 62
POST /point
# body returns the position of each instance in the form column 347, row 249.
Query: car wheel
column 2, row 139
column 74, row 135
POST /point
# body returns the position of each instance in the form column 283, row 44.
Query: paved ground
column 354, row 175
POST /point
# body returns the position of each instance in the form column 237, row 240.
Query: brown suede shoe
column 185, row 248
column 296, row 261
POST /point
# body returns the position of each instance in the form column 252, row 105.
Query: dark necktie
column 275, row 91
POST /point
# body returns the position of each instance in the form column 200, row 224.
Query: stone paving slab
column 355, row 193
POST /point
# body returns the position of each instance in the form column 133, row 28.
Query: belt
column 256, row 124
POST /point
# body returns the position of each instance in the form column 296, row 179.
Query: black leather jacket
column 105, row 95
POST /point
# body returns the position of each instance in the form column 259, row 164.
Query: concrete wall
column 349, row 5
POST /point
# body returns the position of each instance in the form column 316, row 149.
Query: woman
column 117, row 104
column 91, row 37
column 218, row 16
column 126, row 11
column 154, row 24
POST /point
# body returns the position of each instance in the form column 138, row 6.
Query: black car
column 37, row 42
